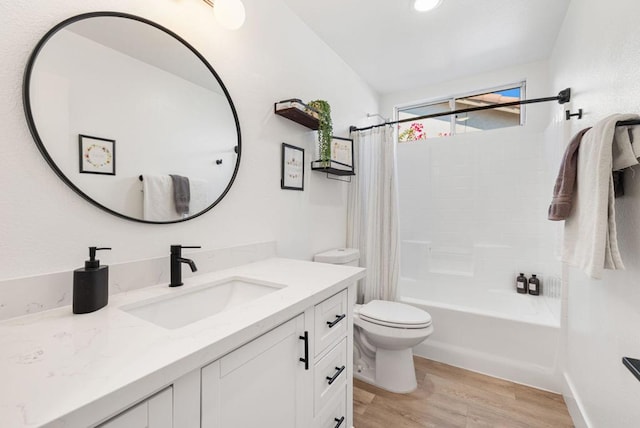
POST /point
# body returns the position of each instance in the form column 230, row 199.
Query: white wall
column 473, row 206
column 45, row 227
column 598, row 55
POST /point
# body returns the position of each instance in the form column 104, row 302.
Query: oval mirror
column 132, row 117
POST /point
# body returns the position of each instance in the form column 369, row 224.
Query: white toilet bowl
column 385, row 334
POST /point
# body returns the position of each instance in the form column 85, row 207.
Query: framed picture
column 342, row 152
column 292, row 176
column 97, row 155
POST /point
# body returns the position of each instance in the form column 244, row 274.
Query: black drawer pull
column 336, row 321
column 339, row 421
column 305, row 360
column 333, row 378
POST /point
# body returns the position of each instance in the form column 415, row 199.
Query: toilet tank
column 339, row 256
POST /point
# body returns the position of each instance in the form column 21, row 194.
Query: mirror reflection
column 132, row 118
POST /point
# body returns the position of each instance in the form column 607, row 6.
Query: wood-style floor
column 448, row 396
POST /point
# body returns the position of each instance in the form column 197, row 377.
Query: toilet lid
column 395, row 314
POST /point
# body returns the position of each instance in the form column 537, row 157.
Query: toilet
column 384, row 335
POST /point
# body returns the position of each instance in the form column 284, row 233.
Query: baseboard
column 492, row 365
column 572, row 400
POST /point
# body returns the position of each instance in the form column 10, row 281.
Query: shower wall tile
column 486, row 192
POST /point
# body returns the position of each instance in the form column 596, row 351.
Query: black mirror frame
column 34, row 132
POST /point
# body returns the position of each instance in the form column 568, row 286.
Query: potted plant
column 325, row 129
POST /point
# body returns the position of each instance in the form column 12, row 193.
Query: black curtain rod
column 563, row 96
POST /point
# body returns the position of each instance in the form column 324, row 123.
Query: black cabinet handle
column 336, row 321
column 305, row 360
column 339, row 421
column 333, row 378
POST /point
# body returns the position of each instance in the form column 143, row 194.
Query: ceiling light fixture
column 229, row 13
column 426, row 5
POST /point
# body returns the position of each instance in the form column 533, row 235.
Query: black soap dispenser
column 534, row 285
column 521, row 284
column 90, row 285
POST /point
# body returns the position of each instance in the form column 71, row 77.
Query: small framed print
column 342, row 152
column 292, row 176
column 97, row 155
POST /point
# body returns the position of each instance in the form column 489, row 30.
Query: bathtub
column 493, row 331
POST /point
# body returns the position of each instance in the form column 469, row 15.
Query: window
column 483, row 120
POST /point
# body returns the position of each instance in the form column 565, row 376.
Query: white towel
column 590, row 239
column 157, row 199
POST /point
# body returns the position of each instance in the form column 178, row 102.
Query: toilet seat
column 394, row 315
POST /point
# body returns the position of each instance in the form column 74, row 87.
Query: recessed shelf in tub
column 633, row 365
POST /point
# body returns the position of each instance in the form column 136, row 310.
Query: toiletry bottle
column 521, row 284
column 90, row 285
column 534, row 285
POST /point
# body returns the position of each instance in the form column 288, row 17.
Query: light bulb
column 426, row 5
column 229, row 13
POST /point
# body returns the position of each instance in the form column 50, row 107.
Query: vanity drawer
column 330, row 376
column 330, row 321
column 335, row 414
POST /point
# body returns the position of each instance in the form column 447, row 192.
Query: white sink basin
column 199, row 302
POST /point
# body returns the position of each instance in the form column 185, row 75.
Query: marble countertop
column 58, row 369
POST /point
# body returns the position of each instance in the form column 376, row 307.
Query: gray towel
column 181, row 193
column 562, row 202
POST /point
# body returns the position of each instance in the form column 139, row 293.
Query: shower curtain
column 372, row 213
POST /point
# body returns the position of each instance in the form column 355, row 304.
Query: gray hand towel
column 181, row 193
column 563, row 190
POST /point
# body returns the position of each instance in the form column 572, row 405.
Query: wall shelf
column 297, row 111
column 341, row 162
column 332, row 167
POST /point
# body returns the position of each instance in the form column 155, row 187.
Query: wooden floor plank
column 361, row 399
column 450, row 397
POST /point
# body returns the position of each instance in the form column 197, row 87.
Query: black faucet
column 176, row 265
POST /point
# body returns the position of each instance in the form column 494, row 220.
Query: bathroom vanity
column 275, row 352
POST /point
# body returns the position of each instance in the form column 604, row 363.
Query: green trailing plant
column 325, row 129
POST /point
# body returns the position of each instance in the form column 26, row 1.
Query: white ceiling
column 393, row 47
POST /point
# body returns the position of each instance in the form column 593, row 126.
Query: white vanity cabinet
column 333, row 362
column 278, row 360
column 175, row 406
column 155, row 412
column 297, row 375
column 261, row 384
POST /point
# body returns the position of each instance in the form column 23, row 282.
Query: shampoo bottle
column 90, row 285
column 534, row 285
column 521, row 284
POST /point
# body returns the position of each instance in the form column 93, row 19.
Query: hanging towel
column 561, row 203
column 626, row 146
column 181, row 194
column 157, row 200
column 590, row 238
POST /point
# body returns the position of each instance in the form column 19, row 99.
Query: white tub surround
column 60, row 369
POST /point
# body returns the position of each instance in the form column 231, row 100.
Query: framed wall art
column 342, row 152
column 97, row 155
column 292, row 176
